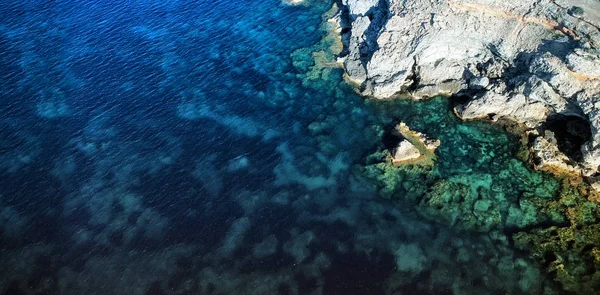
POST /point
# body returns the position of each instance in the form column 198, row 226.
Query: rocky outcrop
column 523, row 60
column 414, row 148
column 406, row 152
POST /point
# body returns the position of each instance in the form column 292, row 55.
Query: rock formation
column 414, row 148
column 405, row 152
column 525, row 60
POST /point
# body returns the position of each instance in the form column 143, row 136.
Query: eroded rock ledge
column 524, row 60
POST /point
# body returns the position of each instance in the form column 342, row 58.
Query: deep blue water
column 171, row 147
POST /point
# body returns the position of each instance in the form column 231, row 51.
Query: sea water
column 181, row 147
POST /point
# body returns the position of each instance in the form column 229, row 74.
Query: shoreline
column 529, row 120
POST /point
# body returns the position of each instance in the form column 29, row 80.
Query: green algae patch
column 483, row 180
column 569, row 250
column 409, row 181
column 569, row 254
column 476, row 182
column 316, row 63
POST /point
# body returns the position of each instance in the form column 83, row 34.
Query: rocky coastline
column 530, row 66
column 533, row 62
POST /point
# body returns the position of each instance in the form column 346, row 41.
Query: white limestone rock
column 354, row 67
column 405, row 152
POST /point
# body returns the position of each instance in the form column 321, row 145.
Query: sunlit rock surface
column 405, row 152
column 414, row 148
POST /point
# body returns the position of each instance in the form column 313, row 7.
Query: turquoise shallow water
column 180, row 147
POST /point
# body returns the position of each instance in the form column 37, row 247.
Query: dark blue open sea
column 196, row 147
